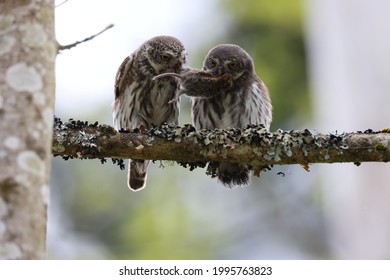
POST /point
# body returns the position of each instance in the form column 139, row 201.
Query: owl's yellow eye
column 165, row 57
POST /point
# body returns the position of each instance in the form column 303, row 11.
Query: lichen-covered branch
column 254, row 145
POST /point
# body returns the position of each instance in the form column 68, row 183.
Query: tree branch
column 254, row 145
column 62, row 3
column 67, row 47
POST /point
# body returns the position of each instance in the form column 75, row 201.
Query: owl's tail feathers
column 137, row 174
column 231, row 174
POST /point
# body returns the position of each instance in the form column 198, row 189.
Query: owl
column 141, row 101
column 243, row 101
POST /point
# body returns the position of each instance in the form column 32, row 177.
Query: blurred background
column 327, row 65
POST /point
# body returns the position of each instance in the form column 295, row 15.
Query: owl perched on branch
column 227, row 93
column 245, row 102
column 141, row 101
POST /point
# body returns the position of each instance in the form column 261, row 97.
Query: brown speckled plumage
column 246, row 101
column 141, row 101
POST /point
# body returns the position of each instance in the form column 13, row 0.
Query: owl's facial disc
column 229, row 59
column 220, row 67
column 166, row 61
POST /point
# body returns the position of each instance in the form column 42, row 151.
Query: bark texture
column 27, row 54
column 254, row 145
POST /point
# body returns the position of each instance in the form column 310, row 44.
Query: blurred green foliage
column 271, row 31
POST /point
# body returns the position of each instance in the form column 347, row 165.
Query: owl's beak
column 220, row 70
column 216, row 71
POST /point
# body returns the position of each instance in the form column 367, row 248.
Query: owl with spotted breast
column 244, row 101
column 141, row 101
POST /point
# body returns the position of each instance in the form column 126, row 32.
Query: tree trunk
column 27, row 54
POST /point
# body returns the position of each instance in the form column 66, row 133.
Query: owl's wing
column 122, row 76
column 260, row 108
column 121, row 107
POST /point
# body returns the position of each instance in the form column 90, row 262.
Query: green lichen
column 6, row 23
column 30, row 161
column 33, row 34
column 58, row 149
column 380, row 147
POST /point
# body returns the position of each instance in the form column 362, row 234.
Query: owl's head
column 229, row 59
column 165, row 54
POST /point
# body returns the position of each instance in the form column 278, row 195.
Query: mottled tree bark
column 27, row 54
